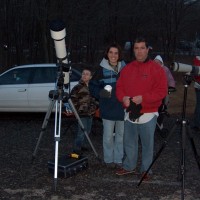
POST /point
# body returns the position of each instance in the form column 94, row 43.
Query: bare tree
column 91, row 25
column 173, row 21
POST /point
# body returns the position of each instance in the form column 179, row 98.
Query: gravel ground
column 21, row 179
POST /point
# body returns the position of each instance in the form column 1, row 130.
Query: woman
column 111, row 110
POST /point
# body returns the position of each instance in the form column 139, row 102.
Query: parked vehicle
column 26, row 88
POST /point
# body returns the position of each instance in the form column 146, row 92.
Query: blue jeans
column 81, row 139
column 113, row 133
column 197, row 109
column 132, row 133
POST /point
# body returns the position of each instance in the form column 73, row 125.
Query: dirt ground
column 23, row 180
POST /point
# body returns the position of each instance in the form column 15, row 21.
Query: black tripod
column 185, row 129
column 57, row 98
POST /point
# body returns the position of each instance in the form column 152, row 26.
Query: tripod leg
column 57, row 131
column 193, row 146
column 82, row 127
column 182, row 168
column 159, row 152
column 44, row 125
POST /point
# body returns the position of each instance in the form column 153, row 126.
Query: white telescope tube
column 180, row 67
column 58, row 33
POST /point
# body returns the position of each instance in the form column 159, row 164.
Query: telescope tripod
column 185, row 130
column 57, row 101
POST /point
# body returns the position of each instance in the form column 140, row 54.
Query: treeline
column 91, row 25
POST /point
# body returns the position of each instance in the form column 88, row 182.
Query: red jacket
column 147, row 79
column 197, row 63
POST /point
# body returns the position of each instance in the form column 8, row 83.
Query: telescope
column 58, row 34
column 180, row 67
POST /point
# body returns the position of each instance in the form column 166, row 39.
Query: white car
column 26, row 88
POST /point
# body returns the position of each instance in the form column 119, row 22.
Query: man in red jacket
column 141, row 87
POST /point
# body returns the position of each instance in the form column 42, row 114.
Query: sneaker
column 122, row 171
column 146, row 177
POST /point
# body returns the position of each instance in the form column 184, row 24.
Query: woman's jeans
column 81, row 139
column 132, row 133
column 113, row 132
column 197, row 109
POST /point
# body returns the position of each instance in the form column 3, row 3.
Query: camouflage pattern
column 85, row 104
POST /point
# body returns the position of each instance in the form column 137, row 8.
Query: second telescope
column 180, row 67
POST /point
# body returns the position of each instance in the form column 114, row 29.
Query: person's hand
column 137, row 99
column 126, row 101
column 134, row 111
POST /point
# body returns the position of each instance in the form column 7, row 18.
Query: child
column 86, row 106
column 171, row 88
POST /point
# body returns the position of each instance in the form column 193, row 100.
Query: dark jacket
column 110, row 108
column 84, row 103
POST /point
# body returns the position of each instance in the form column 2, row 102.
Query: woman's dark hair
column 114, row 45
column 141, row 39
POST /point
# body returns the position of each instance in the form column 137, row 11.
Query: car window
column 16, row 76
column 44, row 75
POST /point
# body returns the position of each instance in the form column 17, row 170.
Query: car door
column 13, row 89
column 42, row 82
